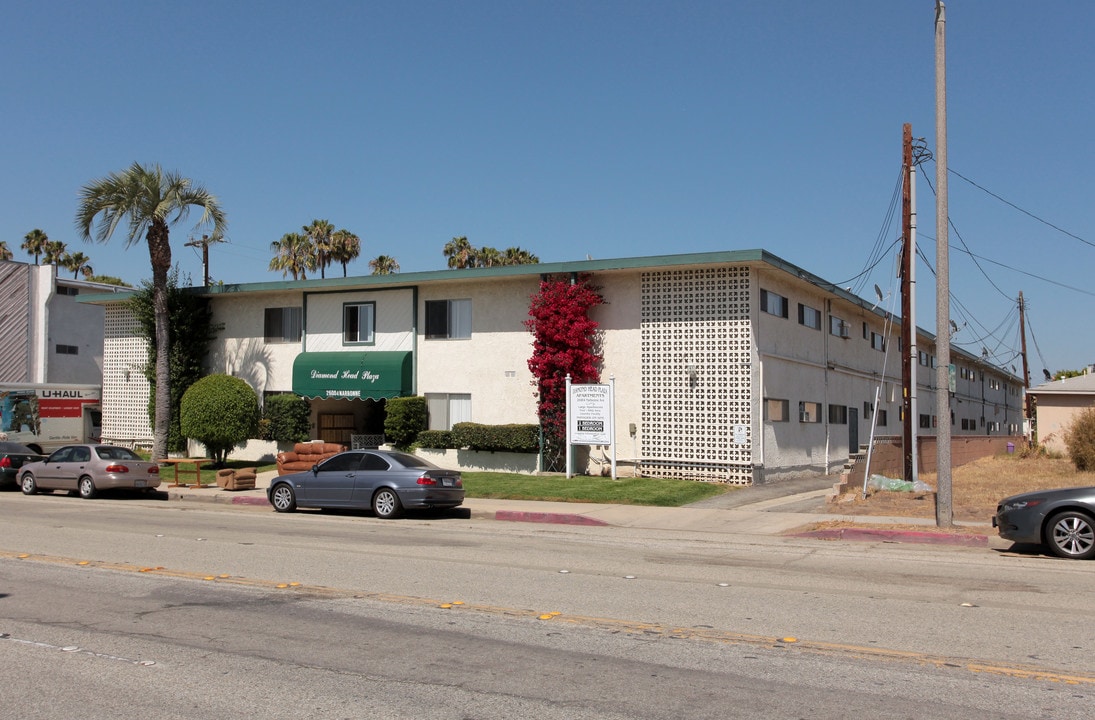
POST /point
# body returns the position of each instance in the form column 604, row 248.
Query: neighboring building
column 46, row 336
column 1057, row 403
column 731, row 366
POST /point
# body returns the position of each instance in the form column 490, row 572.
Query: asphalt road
column 178, row 613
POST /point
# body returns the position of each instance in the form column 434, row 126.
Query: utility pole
column 204, row 244
column 908, row 309
column 1028, row 413
column 944, row 512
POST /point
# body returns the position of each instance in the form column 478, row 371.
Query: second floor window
column 282, row 325
column 448, row 319
column 358, row 323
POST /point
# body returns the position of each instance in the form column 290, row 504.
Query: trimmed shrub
column 220, row 412
column 496, row 438
column 404, row 420
column 286, row 418
column 1080, row 440
column 434, row 439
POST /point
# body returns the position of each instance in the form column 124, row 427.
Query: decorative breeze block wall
column 125, row 389
column 697, row 374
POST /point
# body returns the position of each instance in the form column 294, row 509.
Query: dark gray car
column 386, row 482
column 1063, row 520
column 13, row 456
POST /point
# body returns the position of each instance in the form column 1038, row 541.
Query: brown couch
column 242, row 479
column 304, row 455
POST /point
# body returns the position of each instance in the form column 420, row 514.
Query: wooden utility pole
column 908, row 322
column 1028, row 414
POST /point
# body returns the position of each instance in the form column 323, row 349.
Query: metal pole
column 566, row 415
column 944, row 516
column 612, row 415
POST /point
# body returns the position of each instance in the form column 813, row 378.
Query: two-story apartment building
column 733, row 366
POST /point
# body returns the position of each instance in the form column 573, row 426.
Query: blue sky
column 608, row 129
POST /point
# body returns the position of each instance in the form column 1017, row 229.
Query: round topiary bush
column 220, row 412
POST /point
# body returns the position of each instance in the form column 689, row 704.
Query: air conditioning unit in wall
column 844, row 330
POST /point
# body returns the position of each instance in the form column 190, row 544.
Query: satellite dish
column 1048, row 376
column 878, row 292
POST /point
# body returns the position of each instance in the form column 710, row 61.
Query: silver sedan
column 386, row 482
column 87, row 469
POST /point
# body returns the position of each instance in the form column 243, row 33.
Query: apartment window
column 926, row 359
column 838, row 327
column 878, row 342
column 838, row 415
column 867, row 409
column 773, row 304
column 925, row 422
column 358, row 323
column 282, row 325
column 448, row 319
column 447, row 409
column 809, row 316
column 881, row 419
column 68, row 350
column 67, row 290
column 809, row 412
column 776, row 410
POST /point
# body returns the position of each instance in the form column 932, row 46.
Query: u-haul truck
column 46, row 416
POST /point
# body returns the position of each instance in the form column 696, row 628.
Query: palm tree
column 517, row 256
column 5, row 251
column 150, row 200
column 78, row 263
column 487, row 257
column 53, row 252
column 293, row 255
column 34, row 243
column 384, row 265
column 459, row 252
column 319, row 232
column 345, row 246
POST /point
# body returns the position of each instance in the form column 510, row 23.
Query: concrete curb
column 545, row 517
column 900, row 536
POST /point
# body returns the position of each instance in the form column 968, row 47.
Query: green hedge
column 496, row 438
column 435, row 439
column 404, row 419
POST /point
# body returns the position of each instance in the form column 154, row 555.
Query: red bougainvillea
column 564, row 342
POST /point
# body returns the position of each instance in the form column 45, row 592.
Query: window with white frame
column 773, row 304
column 776, row 410
column 358, row 323
column 448, row 319
column 282, row 325
column 447, row 409
column 808, row 316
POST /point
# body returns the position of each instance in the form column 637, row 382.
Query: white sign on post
column 591, row 414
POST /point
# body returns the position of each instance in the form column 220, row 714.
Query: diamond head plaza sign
column 591, row 418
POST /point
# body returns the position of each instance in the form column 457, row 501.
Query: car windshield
column 11, row 448
column 109, row 452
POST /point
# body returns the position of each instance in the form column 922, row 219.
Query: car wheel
column 386, row 504
column 283, row 498
column 1071, row 535
column 28, row 485
column 86, row 486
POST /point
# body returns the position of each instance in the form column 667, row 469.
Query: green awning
column 352, row 375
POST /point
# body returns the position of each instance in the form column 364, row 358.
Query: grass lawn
column 589, row 489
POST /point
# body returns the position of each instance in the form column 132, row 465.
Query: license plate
column 139, row 483
column 446, row 482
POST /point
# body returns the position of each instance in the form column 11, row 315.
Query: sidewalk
column 761, row 511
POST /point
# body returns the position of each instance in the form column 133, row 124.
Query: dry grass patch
column 976, row 488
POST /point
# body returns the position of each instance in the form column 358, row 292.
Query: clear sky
column 574, row 128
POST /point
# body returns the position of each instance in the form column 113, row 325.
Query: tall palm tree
column 53, row 252
column 319, row 232
column 384, row 265
column 518, row 256
column 293, row 256
column 459, row 252
column 5, row 251
column 345, row 246
column 78, row 263
column 150, row 200
column 34, row 243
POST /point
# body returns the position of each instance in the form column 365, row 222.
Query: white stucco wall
column 394, row 320
column 240, row 349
